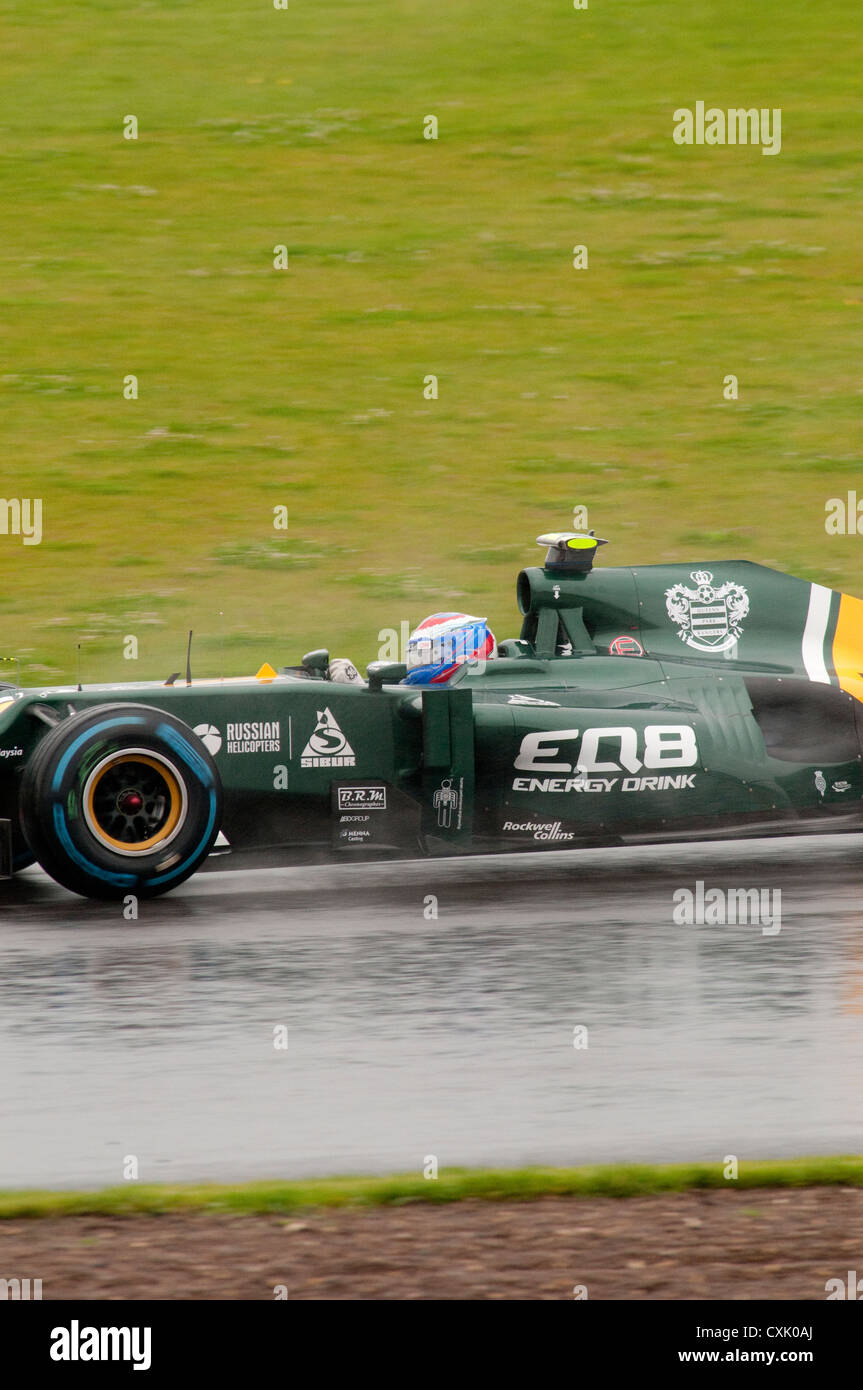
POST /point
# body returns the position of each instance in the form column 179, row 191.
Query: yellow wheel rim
column 134, row 802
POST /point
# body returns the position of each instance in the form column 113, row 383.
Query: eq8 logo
column 657, row 746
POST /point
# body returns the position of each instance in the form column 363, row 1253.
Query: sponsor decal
column 11, row 752
column 354, row 830
column 327, row 746
column 657, row 747
column 447, row 802
column 531, row 700
column 660, row 746
column 241, row 738
column 680, row 782
column 362, row 798
column 253, row 738
column 708, row 618
column 209, row 736
column 541, row 830
column 841, row 786
column 820, row 784
column 364, row 814
column 625, row 646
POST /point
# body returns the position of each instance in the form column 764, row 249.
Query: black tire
column 121, row 800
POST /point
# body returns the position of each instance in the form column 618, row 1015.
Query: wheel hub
column 128, row 803
column 134, row 801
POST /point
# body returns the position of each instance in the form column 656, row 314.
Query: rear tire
column 121, row 800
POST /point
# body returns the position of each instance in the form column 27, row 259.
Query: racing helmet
column 442, row 643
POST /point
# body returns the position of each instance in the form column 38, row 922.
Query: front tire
column 121, row 800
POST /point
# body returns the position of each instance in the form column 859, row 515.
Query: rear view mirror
column 318, row 660
column 380, row 673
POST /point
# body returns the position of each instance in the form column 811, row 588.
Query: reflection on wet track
column 410, row 1035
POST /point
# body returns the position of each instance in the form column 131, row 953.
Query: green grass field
column 407, row 257
column 451, row 1185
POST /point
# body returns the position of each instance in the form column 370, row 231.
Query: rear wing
column 731, row 611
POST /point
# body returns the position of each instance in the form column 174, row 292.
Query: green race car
column 637, row 704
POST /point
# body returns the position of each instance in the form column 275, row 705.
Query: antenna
column 78, row 664
column 189, row 659
column 222, row 641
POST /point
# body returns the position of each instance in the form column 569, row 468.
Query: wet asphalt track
column 410, row 1036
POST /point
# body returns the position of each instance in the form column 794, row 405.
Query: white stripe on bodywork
column 814, row 633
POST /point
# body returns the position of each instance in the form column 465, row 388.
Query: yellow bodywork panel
column 848, row 646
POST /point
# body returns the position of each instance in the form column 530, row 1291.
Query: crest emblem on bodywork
column 708, row 617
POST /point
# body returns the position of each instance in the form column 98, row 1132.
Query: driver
column 444, row 642
column 344, row 672
column 436, row 649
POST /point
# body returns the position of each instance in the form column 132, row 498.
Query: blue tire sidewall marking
column 120, row 880
column 82, row 738
column 200, row 768
column 185, row 749
column 166, row 878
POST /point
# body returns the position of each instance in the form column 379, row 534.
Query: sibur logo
column 327, row 746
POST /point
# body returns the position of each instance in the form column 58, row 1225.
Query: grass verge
column 258, row 387
column 452, row 1185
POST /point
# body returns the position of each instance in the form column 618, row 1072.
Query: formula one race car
column 670, row 701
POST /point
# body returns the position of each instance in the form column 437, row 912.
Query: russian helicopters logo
column 327, row 746
column 708, row 617
column 209, row 736
column 241, row 738
column 254, row 738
